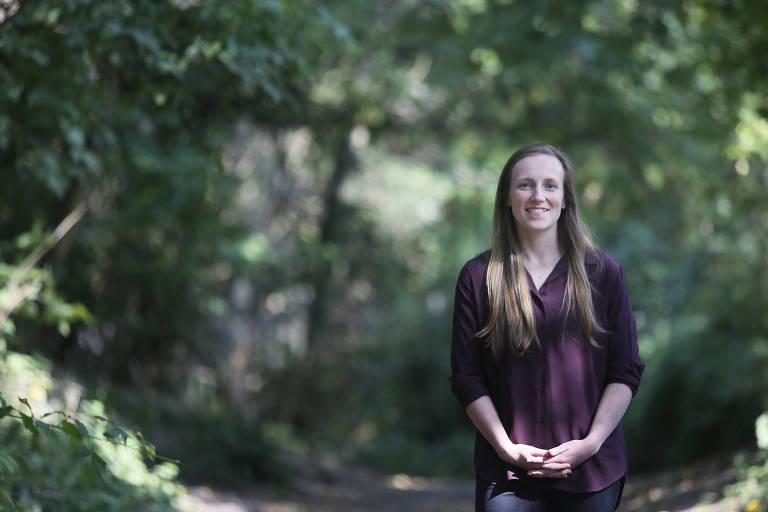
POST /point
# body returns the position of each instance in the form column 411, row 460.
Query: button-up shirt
column 550, row 394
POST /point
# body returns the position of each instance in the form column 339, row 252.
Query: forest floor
column 323, row 488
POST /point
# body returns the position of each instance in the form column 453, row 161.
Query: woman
column 544, row 349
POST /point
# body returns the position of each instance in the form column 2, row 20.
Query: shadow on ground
column 696, row 486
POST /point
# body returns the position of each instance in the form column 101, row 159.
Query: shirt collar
column 561, row 267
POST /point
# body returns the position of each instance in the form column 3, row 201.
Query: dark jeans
column 514, row 497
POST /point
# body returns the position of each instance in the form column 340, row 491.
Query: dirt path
column 399, row 493
column 695, row 487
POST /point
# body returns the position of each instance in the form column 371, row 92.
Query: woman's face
column 537, row 196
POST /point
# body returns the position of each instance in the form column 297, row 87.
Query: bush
column 750, row 493
column 60, row 462
column 230, row 448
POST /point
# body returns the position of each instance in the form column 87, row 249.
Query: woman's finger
column 555, row 466
column 549, row 472
column 549, row 465
column 557, row 450
column 543, row 473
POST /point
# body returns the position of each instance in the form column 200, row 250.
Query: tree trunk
column 322, row 277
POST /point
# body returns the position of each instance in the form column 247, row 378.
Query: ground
column 695, row 487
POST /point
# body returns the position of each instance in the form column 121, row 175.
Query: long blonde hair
column 511, row 323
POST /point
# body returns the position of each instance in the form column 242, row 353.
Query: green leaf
column 46, row 428
column 8, row 463
column 8, row 327
column 5, row 411
column 71, row 430
column 761, row 430
column 83, row 451
column 82, row 428
column 26, row 402
column 29, row 423
column 99, row 460
column 147, row 448
column 64, row 328
column 116, row 432
column 7, row 498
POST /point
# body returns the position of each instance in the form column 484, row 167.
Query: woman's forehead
column 539, row 166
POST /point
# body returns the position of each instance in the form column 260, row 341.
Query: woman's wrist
column 594, row 443
column 505, row 449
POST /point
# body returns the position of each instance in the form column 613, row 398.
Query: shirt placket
column 542, row 377
column 550, row 309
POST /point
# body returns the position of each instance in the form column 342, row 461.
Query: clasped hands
column 557, row 462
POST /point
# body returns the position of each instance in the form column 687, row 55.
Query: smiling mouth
column 537, row 210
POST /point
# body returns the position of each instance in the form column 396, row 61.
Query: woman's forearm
column 611, row 408
column 483, row 414
column 613, row 403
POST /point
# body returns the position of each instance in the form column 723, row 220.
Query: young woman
column 544, row 350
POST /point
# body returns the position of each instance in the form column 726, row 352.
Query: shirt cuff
column 468, row 389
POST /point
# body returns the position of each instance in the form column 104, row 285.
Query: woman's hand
column 534, row 460
column 613, row 403
column 483, row 414
column 572, row 453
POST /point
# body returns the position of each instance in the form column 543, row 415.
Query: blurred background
column 236, row 227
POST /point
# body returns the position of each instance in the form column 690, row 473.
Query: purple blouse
column 548, row 396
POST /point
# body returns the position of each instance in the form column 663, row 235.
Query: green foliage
column 84, row 462
column 750, row 493
column 402, row 452
column 142, row 97
column 671, row 178
column 31, row 292
column 280, row 196
column 231, row 447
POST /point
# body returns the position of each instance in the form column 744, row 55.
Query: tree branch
column 14, row 288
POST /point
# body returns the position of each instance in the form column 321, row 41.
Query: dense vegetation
column 239, row 224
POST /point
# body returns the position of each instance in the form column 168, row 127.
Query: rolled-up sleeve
column 624, row 363
column 467, row 380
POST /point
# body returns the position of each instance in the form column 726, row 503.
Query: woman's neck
column 540, row 249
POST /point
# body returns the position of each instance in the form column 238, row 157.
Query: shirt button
column 544, row 292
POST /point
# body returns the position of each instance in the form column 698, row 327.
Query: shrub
column 750, row 493
column 59, row 461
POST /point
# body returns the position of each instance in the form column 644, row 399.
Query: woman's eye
column 551, row 186
column 525, row 185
